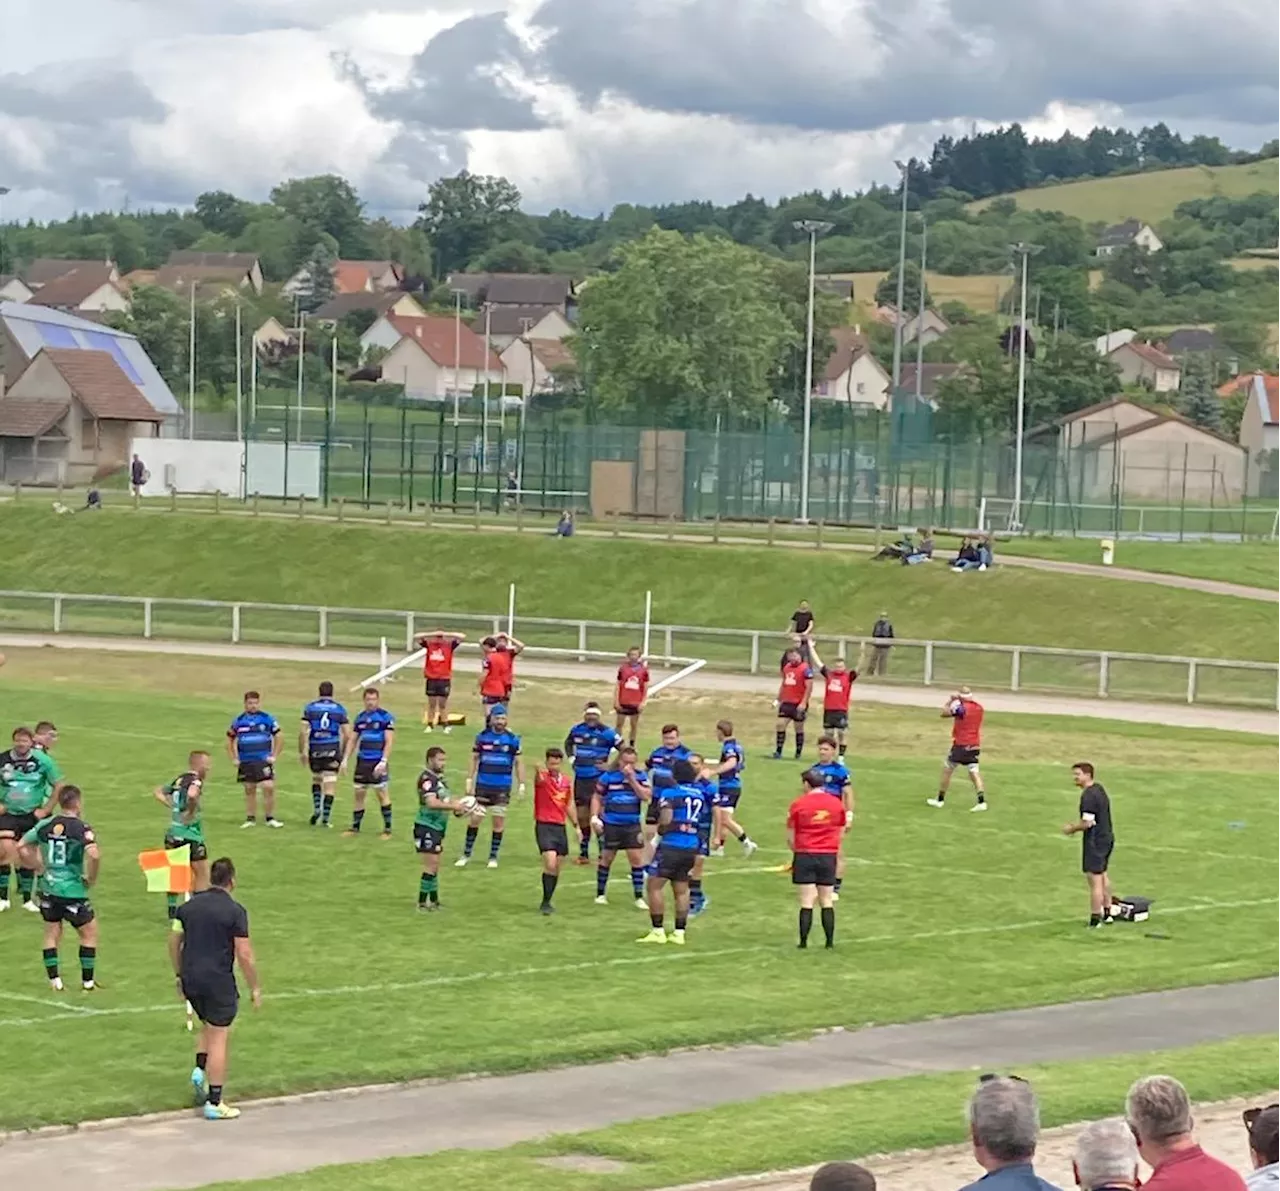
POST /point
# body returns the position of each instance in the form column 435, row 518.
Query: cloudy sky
column 586, row 103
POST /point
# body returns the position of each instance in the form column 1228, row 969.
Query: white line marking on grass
column 586, row 965
column 49, row 1003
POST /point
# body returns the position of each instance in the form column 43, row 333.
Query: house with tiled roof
column 506, row 324
column 437, row 356
column 72, row 416
column 210, row 271
column 851, row 374
column 45, row 269
column 1129, row 232
column 538, row 365
column 14, row 289
column 1142, row 364
column 1259, row 424
column 387, row 302
column 515, row 289
column 351, row 277
column 92, row 287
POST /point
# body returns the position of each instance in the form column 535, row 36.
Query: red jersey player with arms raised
column 437, row 675
column 552, row 801
column 633, row 690
column 498, row 669
column 965, row 714
column 793, row 700
column 837, row 687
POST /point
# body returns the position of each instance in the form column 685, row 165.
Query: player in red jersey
column 552, row 799
column 965, row 714
column 498, row 669
column 437, row 675
column 815, row 827
column 793, row 700
column 837, row 686
column 633, row 690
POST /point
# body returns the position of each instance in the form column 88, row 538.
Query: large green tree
column 466, row 215
column 887, row 290
column 684, row 329
column 1196, row 397
column 326, row 203
column 318, row 286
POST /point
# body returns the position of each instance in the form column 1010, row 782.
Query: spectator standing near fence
column 1105, row 1157
column 1159, row 1113
column 882, row 635
column 1004, row 1126
column 1264, row 1147
column 137, row 475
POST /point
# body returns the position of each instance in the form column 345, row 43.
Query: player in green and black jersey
column 29, row 781
column 183, row 797
column 64, row 850
column 434, row 808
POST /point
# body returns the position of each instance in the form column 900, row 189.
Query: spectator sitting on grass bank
column 975, row 554
column 564, row 527
column 922, row 551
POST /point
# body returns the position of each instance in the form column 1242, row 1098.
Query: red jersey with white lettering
column 816, row 821
column 499, row 673
column 552, row 796
column 633, row 684
column 438, row 663
column 795, row 676
column 966, row 723
column 837, row 687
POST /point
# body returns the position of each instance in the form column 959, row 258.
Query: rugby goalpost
column 388, row 669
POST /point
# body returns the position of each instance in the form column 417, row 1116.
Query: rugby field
column 944, row 912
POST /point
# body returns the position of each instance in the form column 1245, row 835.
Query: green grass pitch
column 944, row 912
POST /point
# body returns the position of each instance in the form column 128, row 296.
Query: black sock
column 26, row 882
column 656, row 920
column 695, row 890
column 326, row 808
column 584, row 845
column 942, row 795
column 317, row 799
column 799, row 743
column 357, row 817
column 548, row 887
column 386, row 817
column 469, row 845
column 4, row 882
column 637, row 882
column 495, row 844
column 88, row 961
column 982, row 797
column 215, row 1094
column 806, row 925
column 251, row 818
column 829, row 924
column 602, row 879
column 839, row 882
column 202, row 1059
column 781, row 738
column 1095, row 919
column 681, row 921
column 50, row 957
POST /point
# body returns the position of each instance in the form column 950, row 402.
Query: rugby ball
column 467, row 805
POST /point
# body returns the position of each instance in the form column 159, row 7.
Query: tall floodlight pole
column 457, row 350
column 924, row 256
column 239, row 377
column 813, row 228
column 191, row 362
column 902, row 269
column 1023, row 251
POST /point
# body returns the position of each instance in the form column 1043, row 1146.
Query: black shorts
column 214, row 1002
column 962, row 755
column 427, row 839
column 438, row 688
column 653, row 811
column 365, row 775
column 1096, row 859
column 199, row 849
column 75, row 912
column 792, row 711
column 813, row 868
column 628, row 709
column 835, row 721
column 583, row 790
column 16, row 825
column 728, row 799
column 552, row 837
column 324, row 760
column 252, row 773
column 675, row 864
column 497, row 798
column 491, row 700
column 622, row 837
column 704, row 841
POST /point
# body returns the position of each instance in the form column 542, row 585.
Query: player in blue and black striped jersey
column 253, row 744
column 371, row 739
column 683, row 807
column 495, row 762
column 615, row 816
column 837, row 780
column 589, row 743
column 322, row 743
column 659, row 763
column 728, row 791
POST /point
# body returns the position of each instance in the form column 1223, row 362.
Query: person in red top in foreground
column 552, row 798
column 1159, row 1114
column 633, row 690
column 837, row 687
column 815, row 826
column 498, row 669
column 437, row 675
column 965, row 714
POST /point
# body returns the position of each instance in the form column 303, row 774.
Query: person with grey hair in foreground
column 1004, row 1125
column 1106, row 1158
column 1158, row 1111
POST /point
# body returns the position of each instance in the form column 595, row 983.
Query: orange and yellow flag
column 167, row 871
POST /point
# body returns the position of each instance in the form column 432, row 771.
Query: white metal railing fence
column 1094, row 673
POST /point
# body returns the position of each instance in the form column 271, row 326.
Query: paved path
column 1174, row 715
column 284, row 1136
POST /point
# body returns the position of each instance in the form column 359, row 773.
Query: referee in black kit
column 211, row 935
column 1099, row 838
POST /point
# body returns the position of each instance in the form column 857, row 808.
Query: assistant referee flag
column 167, row 871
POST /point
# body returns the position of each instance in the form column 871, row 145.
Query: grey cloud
column 905, row 61
column 257, row 16
column 457, row 81
column 82, row 94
